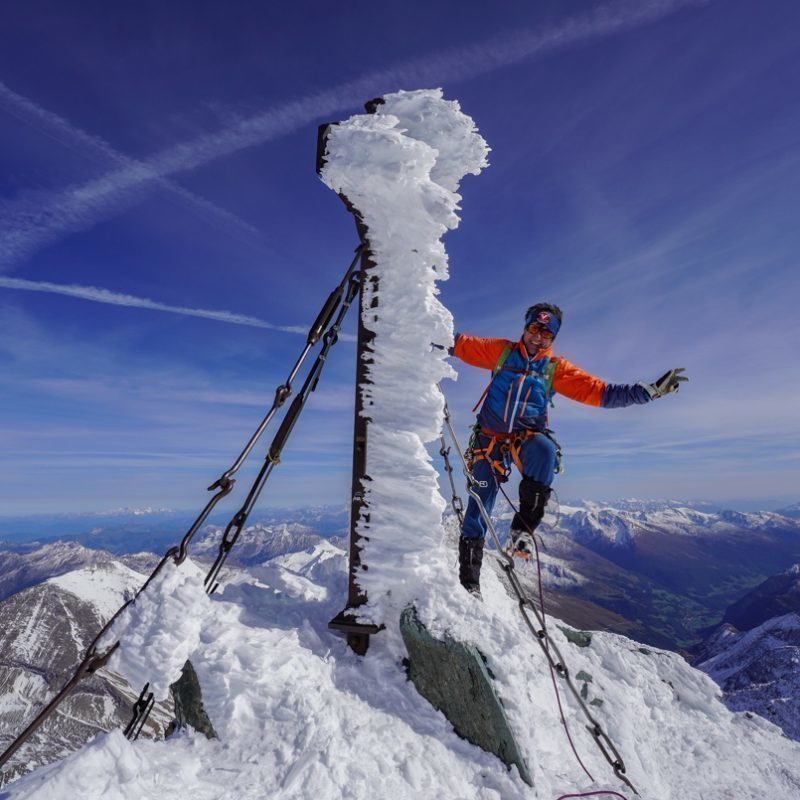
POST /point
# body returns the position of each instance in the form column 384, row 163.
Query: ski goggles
column 544, row 319
column 536, row 329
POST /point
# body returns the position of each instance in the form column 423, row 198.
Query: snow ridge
column 160, row 629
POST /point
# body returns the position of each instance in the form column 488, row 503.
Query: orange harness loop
column 510, row 445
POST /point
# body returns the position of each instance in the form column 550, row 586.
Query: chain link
column 455, row 500
column 539, row 631
column 239, row 520
column 141, row 711
column 341, row 297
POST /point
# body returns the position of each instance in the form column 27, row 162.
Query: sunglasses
column 534, row 329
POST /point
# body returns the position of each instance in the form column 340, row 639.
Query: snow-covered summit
column 107, row 586
column 300, row 716
column 297, row 713
column 27, row 565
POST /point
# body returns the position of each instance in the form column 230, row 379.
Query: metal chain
column 93, row 660
column 273, row 457
column 141, row 711
column 225, row 482
column 455, row 500
column 539, row 631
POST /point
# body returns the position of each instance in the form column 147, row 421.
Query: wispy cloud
column 98, row 295
column 74, row 138
column 29, row 227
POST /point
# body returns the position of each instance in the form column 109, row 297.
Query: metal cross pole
column 358, row 633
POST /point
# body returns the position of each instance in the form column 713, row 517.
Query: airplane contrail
column 98, row 295
column 61, row 130
column 31, row 225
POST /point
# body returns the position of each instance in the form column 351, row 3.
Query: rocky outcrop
column 759, row 671
column 189, row 709
column 454, row 678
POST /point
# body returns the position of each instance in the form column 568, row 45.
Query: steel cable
column 455, row 500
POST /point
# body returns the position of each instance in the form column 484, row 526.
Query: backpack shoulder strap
column 503, row 358
column 497, row 367
column 549, row 372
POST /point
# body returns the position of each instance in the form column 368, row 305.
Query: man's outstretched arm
column 478, row 352
column 573, row 382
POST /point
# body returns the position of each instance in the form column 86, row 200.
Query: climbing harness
column 504, row 449
column 539, row 630
column 323, row 328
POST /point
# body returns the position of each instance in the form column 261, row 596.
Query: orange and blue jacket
column 518, row 396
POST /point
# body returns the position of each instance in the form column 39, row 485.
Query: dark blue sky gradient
column 644, row 177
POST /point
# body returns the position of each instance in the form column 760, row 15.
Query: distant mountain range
column 775, row 597
column 136, row 530
column 754, row 655
column 29, row 564
column 260, row 542
column 662, row 573
column 790, row 511
column 759, row 670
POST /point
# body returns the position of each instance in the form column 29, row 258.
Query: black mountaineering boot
column 533, row 497
column 470, row 558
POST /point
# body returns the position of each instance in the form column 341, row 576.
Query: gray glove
column 669, row 382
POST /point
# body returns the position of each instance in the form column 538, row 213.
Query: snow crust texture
column 159, row 631
column 401, row 168
column 300, row 716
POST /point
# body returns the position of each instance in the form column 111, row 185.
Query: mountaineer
column 512, row 425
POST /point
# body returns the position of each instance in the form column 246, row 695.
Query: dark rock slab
column 189, row 708
column 454, row 678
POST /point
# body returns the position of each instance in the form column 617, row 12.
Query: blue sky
column 645, row 173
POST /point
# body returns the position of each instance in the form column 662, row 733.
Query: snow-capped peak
column 106, row 585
